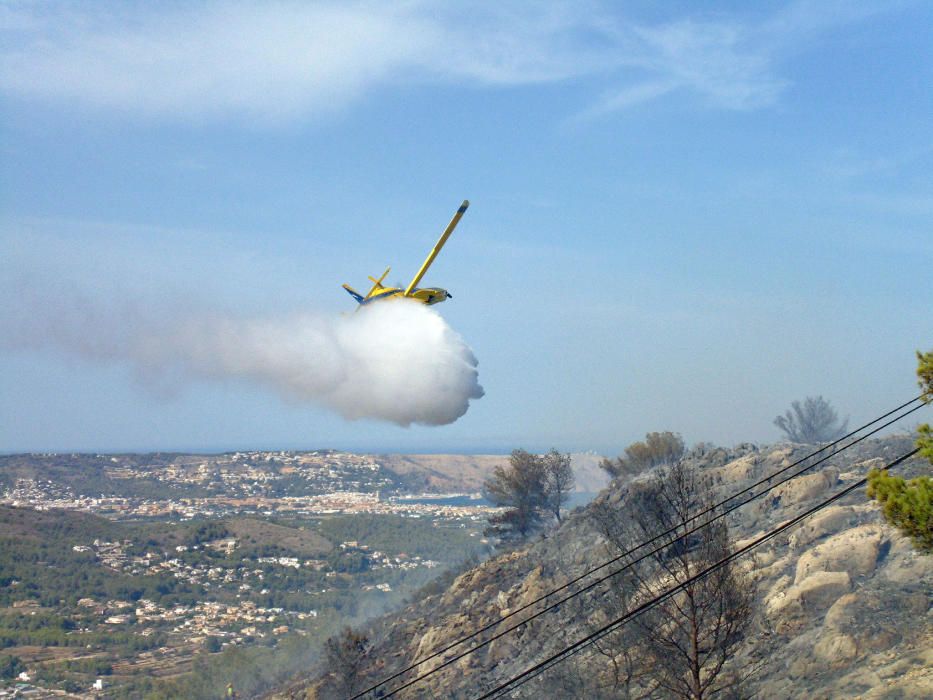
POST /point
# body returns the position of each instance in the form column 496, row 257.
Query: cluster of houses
column 116, row 556
column 239, row 484
column 233, row 622
column 256, row 472
column 195, row 622
column 43, row 495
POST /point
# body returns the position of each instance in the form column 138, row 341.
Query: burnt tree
column 682, row 646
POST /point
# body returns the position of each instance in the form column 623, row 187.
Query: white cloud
column 717, row 60
column 629, row 96
column 272, row 62
column 284, row 61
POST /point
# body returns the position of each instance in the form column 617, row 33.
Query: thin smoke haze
column 395, row 361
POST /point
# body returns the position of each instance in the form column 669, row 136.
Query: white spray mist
column 396, row 361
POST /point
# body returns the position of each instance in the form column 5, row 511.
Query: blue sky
column 682, row 217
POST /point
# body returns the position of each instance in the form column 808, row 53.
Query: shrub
column 907, row 505
column 10, row 666
column 657, row 449
column 925, row 375
column 533, row 487
column 813, row 421
column 925, row 372
column 346, row 654
column 925, row 441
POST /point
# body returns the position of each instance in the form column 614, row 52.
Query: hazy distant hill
column 140, row 599
column 466, row 473
column 60, row 526
column 176, row 475
column 252, row 531
column 843, row 606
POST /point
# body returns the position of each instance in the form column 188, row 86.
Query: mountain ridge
column 834, row 598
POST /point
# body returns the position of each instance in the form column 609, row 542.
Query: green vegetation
column 38, row 563
column 48, row 563
column 122, row 642
column 87, row 474
column 251, row 670
column 169, row 607
column 925, row 375
column 10, row 666
column 657, row 449
column 90, row 667
column 925, row 372
column 925, row 441
column 297, row 537
column 907, row 504
column 449, row 543
column 532, row 488
column 207, row 531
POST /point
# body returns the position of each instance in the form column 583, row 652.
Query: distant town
column 250, row 483
column 180, row 558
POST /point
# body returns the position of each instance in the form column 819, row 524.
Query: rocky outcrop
column 792, row 608
column 836, row 648
column 801, row 489
column 844, row 606
column 854, row 551
column 825, row 523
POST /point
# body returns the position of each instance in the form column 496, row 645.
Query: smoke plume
column 396, row 361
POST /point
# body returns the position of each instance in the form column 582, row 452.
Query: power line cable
column 566, row 652
column 615, row 559
column 631, row 551
column 575, row 648
column 627, row 566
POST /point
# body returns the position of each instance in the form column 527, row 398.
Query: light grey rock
column 854, row 551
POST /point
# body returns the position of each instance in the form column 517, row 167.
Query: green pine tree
column 909, row 504
column 925, row 373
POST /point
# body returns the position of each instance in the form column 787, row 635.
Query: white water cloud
column 397, row 361
column 283, row 61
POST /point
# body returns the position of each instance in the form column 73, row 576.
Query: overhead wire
column 593, row 584
column 631, row 551
column 568, row 651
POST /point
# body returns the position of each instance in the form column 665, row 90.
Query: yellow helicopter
column 426, row 295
